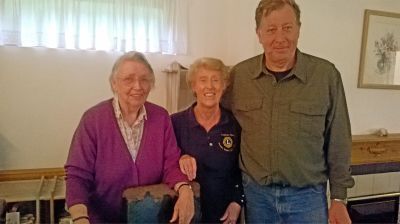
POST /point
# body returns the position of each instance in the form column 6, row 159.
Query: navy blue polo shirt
column 217, row 157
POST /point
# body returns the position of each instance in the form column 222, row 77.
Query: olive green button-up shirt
column 295, row 131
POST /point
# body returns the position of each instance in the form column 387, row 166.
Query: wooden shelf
column 372, row 149
column 30, row 174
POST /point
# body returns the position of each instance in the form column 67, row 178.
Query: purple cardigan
column 99, row 166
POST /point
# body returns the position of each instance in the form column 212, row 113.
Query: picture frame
column 380, row 51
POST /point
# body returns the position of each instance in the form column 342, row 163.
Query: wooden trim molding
column 372, row 149
column 366, row 149
column 30, row 174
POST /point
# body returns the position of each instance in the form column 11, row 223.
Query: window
column 111, row 25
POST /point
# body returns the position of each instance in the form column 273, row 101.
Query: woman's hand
column 188, row 166
column 231, row 214
column 79, row 214
column 184, row 206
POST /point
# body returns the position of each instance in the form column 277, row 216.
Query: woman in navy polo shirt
column 209, row 137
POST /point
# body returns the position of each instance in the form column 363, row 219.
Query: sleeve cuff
column 338, row 192
column 239, row 196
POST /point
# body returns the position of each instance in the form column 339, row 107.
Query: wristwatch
column 344, row 201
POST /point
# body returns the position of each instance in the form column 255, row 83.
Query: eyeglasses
column 142, row 81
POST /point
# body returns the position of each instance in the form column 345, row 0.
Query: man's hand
column 231, row 214
column 338, row 213
column 184, row 206
column 188, row 166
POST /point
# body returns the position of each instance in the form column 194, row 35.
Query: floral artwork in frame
column 380, row 52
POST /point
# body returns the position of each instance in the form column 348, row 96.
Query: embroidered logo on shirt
column 227, row 142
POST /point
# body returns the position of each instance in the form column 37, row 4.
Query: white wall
column 43, row 92
column 333, row 29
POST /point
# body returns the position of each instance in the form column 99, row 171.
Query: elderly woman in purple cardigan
column 124, row 142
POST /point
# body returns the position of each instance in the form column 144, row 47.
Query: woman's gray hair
column 209, row 64
column 265, row 7
column 132, row 56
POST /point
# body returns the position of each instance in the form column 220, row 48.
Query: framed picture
column 380, row 51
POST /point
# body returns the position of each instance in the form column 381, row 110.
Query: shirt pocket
column 309, row 117
column 247, row 105
column 248, row 112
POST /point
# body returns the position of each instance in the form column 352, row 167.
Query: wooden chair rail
column 367, row 149
column 30, row 174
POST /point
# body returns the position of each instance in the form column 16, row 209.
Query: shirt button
column 210, row 144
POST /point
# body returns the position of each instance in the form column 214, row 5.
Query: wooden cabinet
column 367, row 149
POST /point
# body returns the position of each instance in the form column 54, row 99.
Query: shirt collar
column 118, row 113
column 258, row 69
column 299, row 69
column 192, row 119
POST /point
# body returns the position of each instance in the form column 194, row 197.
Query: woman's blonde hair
column 209, row 64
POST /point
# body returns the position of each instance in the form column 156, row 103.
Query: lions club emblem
column 227, row 143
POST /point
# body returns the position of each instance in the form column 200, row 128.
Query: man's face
column 278, row 33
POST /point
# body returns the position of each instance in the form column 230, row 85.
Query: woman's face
column 132, row 84
column 208, row 86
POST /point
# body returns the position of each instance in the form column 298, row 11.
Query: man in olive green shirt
column 295, row 126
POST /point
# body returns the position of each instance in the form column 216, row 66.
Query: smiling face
column 208, row 86
column 278, row 33
column 132, row 84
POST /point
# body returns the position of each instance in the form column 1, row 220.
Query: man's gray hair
column 265, row 7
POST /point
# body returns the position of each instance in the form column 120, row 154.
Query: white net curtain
column 112, row 25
